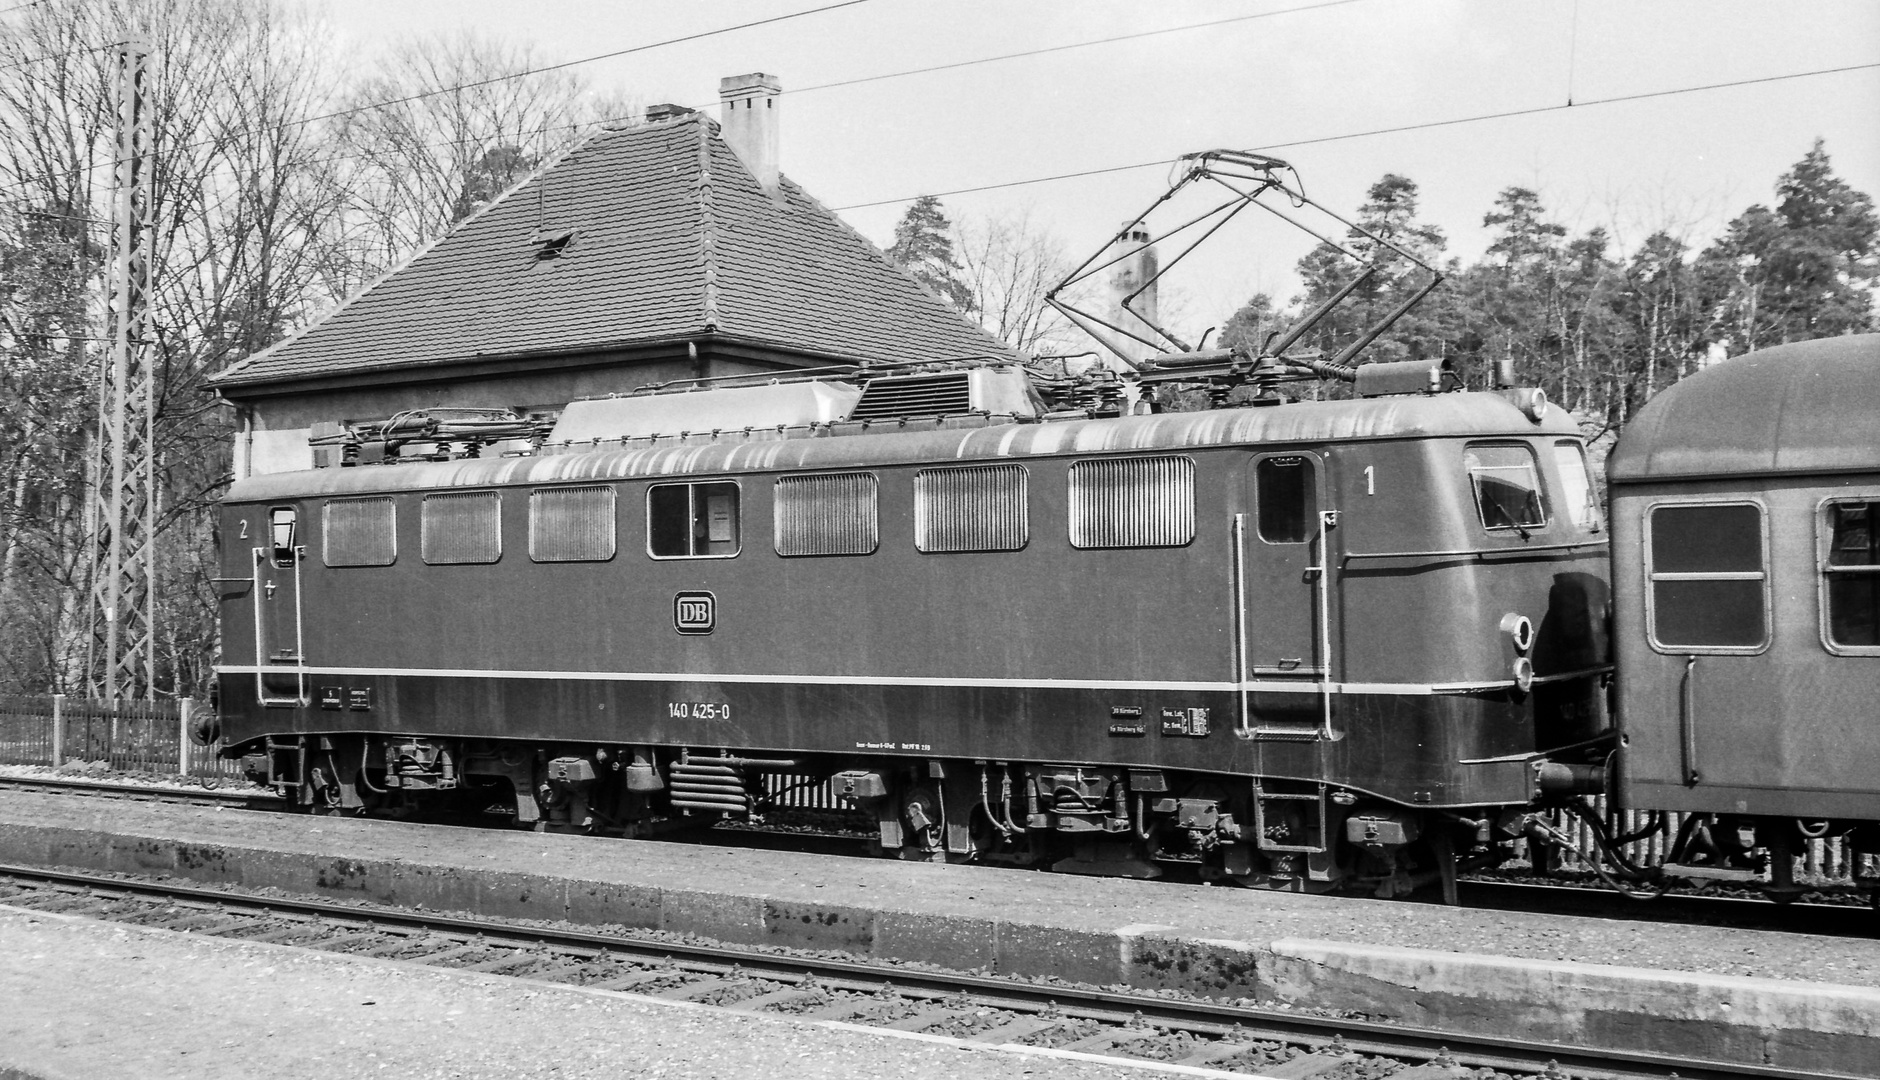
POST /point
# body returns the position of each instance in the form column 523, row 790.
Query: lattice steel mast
column 123, row 566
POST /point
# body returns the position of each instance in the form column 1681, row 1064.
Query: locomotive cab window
column 692, row 521
column 1286, row 499
column 461, row 528
column 1507, row 486
column 971, row 508
column 1709, row 576
column 827, row 515
column 360, row 532
column 1578, row 496
column 1132, row 502
column 571, row 524
column 1850, row 576
column 282, row 525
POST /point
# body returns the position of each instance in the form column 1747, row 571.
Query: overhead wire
column 1067, row 47
column 493, row 80
column 1394, row 130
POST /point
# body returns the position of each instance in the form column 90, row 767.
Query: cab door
column 280, row 662
column 1286, row 593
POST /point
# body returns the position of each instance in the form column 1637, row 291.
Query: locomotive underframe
column 1383, row 806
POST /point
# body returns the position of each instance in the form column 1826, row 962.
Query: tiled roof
column 673, row 239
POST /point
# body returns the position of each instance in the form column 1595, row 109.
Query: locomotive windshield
column 1577, row 495
column 1507, row 486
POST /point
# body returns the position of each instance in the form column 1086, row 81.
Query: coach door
column 280, row 672
column 1285, row 590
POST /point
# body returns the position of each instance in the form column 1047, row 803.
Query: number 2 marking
column 1370, row 479
column 244, row 534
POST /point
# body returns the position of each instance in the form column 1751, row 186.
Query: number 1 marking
column 1370, row 479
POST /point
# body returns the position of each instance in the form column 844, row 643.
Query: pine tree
column 1803, row 270
column 923, row 246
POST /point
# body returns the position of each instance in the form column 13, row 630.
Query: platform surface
column 1707, row 991
column 93, row 999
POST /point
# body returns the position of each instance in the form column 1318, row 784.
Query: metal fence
column 127, row 736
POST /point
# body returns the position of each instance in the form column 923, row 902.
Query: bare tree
column 1007, row 264
column 462, row 124
column 245, row 218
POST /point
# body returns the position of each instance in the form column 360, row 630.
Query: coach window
column 1709, row 577
column 692, row 521
column 1507, row 486
column 971, row 508
column 1578, row 497
column 461, row 527
column 1132, row 502
column 360, row 532
column 834, row 514
column 1850, row 576
column 571, row 524
column 1286, row 499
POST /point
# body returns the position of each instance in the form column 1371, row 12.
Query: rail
column 1106, row 1022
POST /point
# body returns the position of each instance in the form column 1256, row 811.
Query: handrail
column 1244, row 726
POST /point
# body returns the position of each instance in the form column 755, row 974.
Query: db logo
column 694, row 612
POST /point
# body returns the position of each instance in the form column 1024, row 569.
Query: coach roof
column 1302, row 423
column 1808, row 407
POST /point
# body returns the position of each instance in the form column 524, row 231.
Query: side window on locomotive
column 360, row 532
column 1708, row 574
column 1578, row 495
column 1132, row 502
column 692, row 521
column 1850, row 575
column 571, row 524
column 827, row 515
column 461, row 528
column 970, row 508
column 1286, row 499
column 1507, row 486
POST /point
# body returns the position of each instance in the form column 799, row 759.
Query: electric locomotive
column 1300, row 644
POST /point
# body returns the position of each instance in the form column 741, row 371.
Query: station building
column 670, row 250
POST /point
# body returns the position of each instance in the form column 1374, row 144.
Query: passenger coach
column 1746, row 580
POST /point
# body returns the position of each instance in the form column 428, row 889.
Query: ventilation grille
column 461, row 527
column 361, row 532
column 571, row 524
column 827, row 515
column 946, row 394
column 976, row 508
column 1132, row 502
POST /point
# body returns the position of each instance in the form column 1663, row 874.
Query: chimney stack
column 665, row 110
column 750, row 124
column 1136, row 266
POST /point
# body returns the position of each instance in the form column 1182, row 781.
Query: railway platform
column 1788, row 1000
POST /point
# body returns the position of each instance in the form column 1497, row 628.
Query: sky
column 1297, row 82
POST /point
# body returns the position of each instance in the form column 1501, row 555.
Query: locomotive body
column 1746, row 580
column 1300, row 644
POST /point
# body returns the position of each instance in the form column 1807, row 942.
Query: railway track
column 988, row 1011
column 1745, row 913
column 110, row 789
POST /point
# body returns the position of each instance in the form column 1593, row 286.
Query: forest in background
column 289, row 178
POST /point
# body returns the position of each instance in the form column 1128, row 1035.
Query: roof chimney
column 1135, row 269
column 750, row 123
column 664, row 111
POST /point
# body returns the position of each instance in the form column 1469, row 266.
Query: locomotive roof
column 1301, row 423
column 1808, row 407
